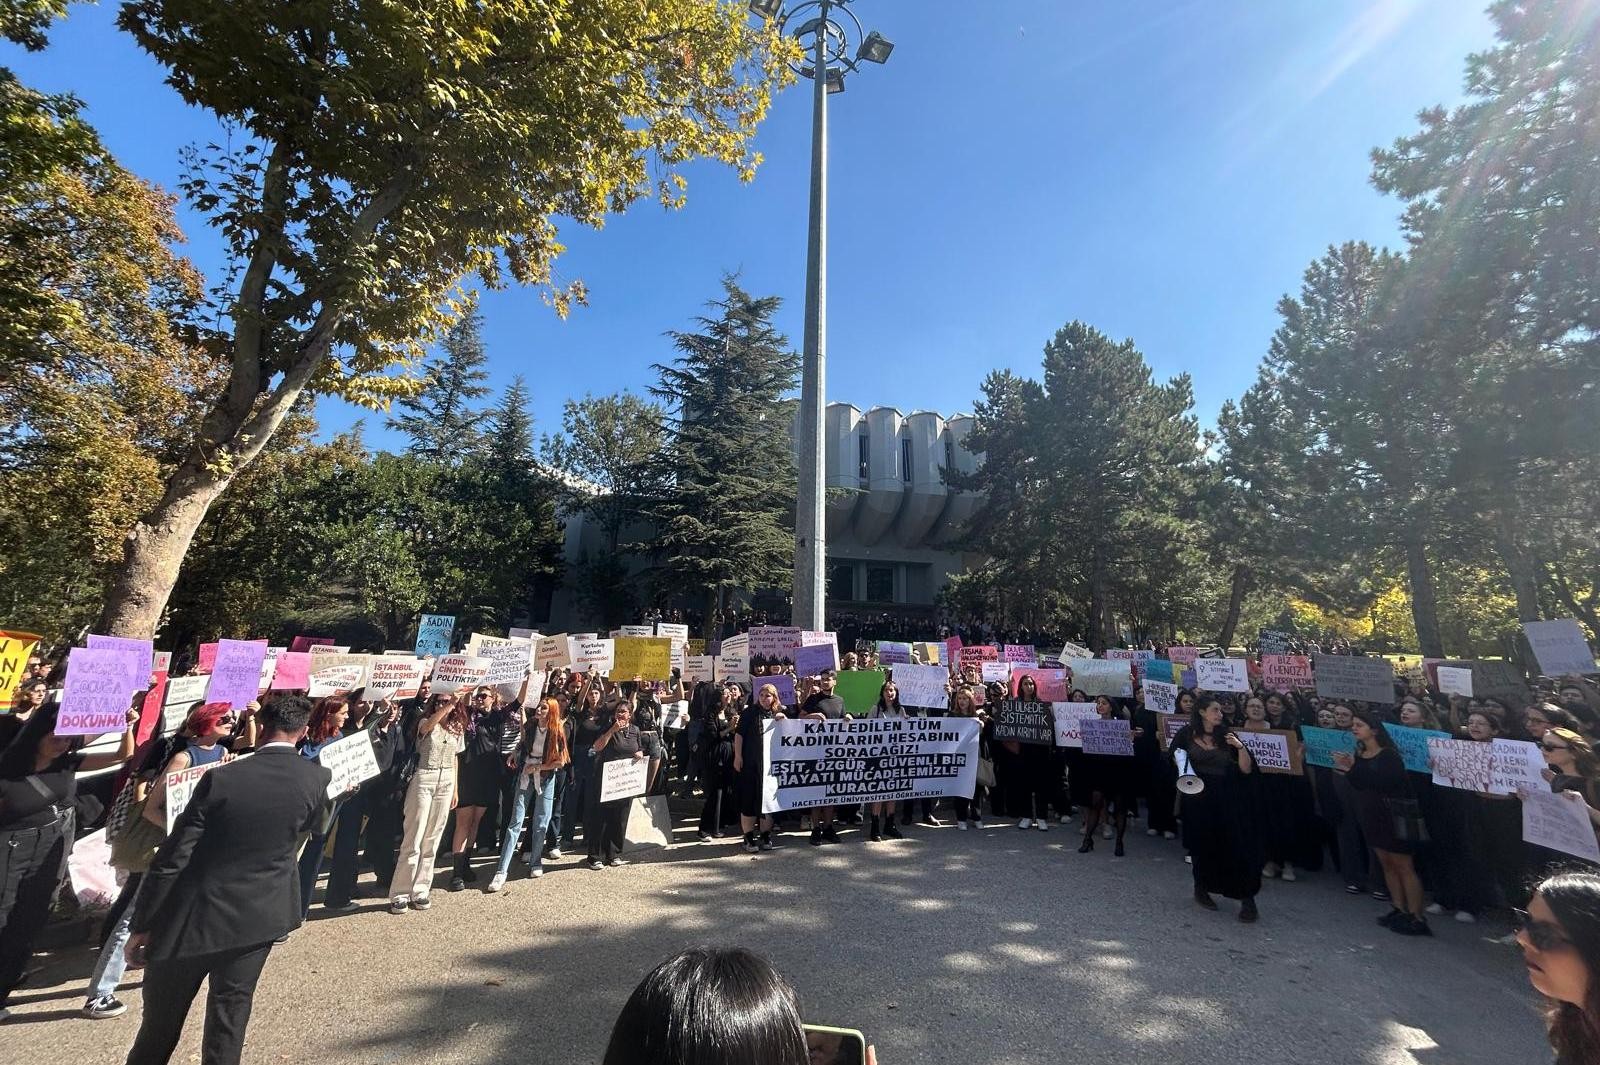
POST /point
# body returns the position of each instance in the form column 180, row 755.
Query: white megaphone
column 1188, row 782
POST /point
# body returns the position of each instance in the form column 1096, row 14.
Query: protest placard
column 1184, row 656
column 926, row 653
column 15, row 647
column 623, row 778
column 1170, row 726
column 350, row 759
column 434, row 635
column 1274, row 750
column 1222, row 674
column 1095, row 676
column 1160, row 670
column 317, row 650
column 859, row 689
column 995, row 672
column 1518, row 766
column 550, row 652
column 509, row 663
column 633, row 631
column 1050, row 684
column 978, row 654
column 137, row 656
column 672, row 631
column 454, row 672
column 1560, row 823
column 395, row 677
column 1024, row 722
column 893, row 654
column 811, row 659
column 827, row 763
column 1454, row 680
column 737, row 644
column 1073, row 650
column 293, row 672
column 180, row 789
column 1069, row 719
column 236, row 672
column 1353, row 677
column 698, row 668
column 182, row 695
column 96, row 697
column 1462, row 764
column 207, row 656
column 1019, row 653
column 773, row 645
column 333, row 673
column 1321, row 744
column 523, row 634
column 1413, row 744
column 733, row 667
column 1274, row 641
column 303, row 644
column 598, row 655
column 1106, row 736
column 674, row 716
column 923, row 686
column 160, row 661
column 1161, row 696
column 1120, row 654
column 1560, row 646
column 269, row 668
column 1495, row 679
column 1284, row 673
column 781, row 681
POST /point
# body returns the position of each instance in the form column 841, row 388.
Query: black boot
column 1088, row 843
column 873, row 836
column 893, row 830
column 1204, row 899
column 750, row 842
column 458, row 873
column 1247, row 911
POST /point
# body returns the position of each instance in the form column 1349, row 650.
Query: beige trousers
column 427, row 810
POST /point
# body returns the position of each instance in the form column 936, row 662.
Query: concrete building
column 893, row 524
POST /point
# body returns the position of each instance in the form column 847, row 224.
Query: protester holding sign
column 1110, row 783
column 749, row 767
column 380, row 721
column 968, row 808
column 541, row 755
column 1220, row 830
column 430, row 797
column 491, row 728
column 38, row 784
column 604, row 824
column 823, row 705
column 887, row 707
column 1390, row 817
column 1157, row 780
column 1286, row 808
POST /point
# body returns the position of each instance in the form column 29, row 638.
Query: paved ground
column 990, row 948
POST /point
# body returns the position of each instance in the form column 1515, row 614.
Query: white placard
column 599, row 655
column 826, row 763
column 1518, row 766
column 1461, row 764
column 677, row 632
column 180, row 789
column 351, row 761
column 1069, row 718
column 552, row 651
column 1455, row 680
column 733, row 667
column 922, row 686
column 1560, row 646
column 697, row 668
column 454, row 672
column 623, row 778
column 1095, row 676
column 395, row 677
column 1560, row 823
column 1161, row 696
column 992, row 672
column 1221, row 675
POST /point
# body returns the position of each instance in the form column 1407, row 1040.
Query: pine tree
column 508, row 441
column 440, row 419
column 725, row 519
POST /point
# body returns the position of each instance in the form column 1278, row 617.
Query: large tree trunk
column 1520, row 569
column 1241, row 584
column 1099, row 630
column 1424, row 604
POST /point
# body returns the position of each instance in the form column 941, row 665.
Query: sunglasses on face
column 1544, row 935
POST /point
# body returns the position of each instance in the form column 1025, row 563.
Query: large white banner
column 823, row 763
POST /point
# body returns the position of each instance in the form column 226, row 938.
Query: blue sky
column 1162, row 169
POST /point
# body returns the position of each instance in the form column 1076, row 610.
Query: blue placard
column 434, row 633
column 1413, row 744
column 1323, row 743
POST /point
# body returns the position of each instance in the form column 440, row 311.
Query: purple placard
column 138, row 656
column 1106, row 736
column 782, row 681
column 812, row 659
column 236, row 672
column 96, row 697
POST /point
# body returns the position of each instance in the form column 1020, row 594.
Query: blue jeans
column 543, row 806
column 113, row 961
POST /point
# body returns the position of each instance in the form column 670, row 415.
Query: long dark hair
column 710, row 1007
column 1575, row 1030
column 1380, row 735
column 1197, row 718
column 17, row 760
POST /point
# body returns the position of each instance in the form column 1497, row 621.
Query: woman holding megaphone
column 1220, row 830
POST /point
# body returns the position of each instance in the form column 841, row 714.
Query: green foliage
column 439, row 419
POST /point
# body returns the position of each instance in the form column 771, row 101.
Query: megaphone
column 1188, row 782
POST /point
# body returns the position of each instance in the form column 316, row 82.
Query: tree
column 385, row 157
column 725, row 517
column 440, row 419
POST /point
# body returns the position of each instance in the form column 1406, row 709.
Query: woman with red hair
column 543, row 754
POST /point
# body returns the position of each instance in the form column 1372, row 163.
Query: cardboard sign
column 1184, row 656
column 624, row 778
column 1161, row 697
column 648, row 658
column 336, row 674
column 1321, row 744
column 96, row 697
column 15, row 647
column 697, row 668
column 1560, row 646
column 454, row 672
column 1274, row 750
column 923, row 686
column 1413, row 744
column 1222, row 674
column 1560, row 823
column 1518, row 766
column 395, row 677
column 1019, row 653
column 236, row 672
column 1350, row 677
column 549, row 652
column 859, row 688
column 1073, row 650
column 598, row 655
column 434, row 635
column 811, row 659
column 1103, row 677
column 773, row 645
column 1024, row 722
column 1109, row 736
column 138, row 658
column 351, row 761
column 1050, row 684
column 1462, row 764
column 1286, row 672
column 1069, row 719
column 1454, row 680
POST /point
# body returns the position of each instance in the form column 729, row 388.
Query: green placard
column 859, row 689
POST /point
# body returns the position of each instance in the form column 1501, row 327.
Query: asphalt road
column 998, row 947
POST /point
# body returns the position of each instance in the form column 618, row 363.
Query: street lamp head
column 835, row 80
column 875, row 49
column 766, row 8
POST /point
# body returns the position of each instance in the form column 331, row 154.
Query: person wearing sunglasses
column 1559, row 934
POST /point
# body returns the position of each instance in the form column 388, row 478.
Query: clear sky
column 1162, row 169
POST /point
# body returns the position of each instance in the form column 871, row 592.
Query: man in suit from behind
column 223, row 887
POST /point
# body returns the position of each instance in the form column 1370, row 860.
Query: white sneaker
column 1270, row 870
column 1288, row 873
column 1151, row 832
column 496, row 882
column 1026, row 822
column 1105, row 833
column 1042, row 825
column 1062, row 819
column 535, row 872
column 1434, row 908
column 1188, row 859
column 1465, row 918
column 961, row 826
column 1169, row 835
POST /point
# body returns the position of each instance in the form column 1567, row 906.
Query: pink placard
column 294, row 672
column 1052, row 683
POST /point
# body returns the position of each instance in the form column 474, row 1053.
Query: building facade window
column 864, row 451
column 880, row 584
column 905, row 461
column 949, row 456
column 842, row 581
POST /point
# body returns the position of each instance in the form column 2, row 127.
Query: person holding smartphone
column 605, row 823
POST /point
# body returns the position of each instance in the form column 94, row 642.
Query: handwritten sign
column 180, row 789
column 293, row 672
column 304, row 644
column 811, row 659
column 977, row 654
column 1560, row 646
column 1069, row 719
column 623, row 778
column 350, row 760
column 1024, row 722
column 1559, row 823
column 1462, row 764
column 649, row 658
column 923, row 686
column 1286, row 672
column 733, row 666
column 1274, row 750
column 1050, row 684
column 236, row 672
column 15, row 647
column 1019, row 653
column 1455, row 680
column 1100, row 677
column 995, row 672
column 1161, row 697
column 1222, row 674
column 1106, row 736
column 1322, row 744
column 859, row 689
column 434, row 633
column 552, row 651
column 1413, row 744
column 96, row 697
column 1518, row 766
column 138, row 658
column 1351, row 677
column 697, row 668
column 781, row 682
column 893, row 654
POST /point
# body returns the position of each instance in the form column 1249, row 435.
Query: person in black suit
column 224, row 886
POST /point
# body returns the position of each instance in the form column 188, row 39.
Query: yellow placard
column 15, row 647
column 646, row 657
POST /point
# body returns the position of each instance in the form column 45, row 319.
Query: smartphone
column 835, row 1046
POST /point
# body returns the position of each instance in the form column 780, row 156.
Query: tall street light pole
column 827, row 27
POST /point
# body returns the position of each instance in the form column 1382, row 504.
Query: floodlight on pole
column 826, row 28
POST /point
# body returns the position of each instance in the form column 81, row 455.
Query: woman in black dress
column 1389, row 818
column 1111, row 782
column 718, row 746
column 480, row 769
column 749, row 766
column 1220, row 829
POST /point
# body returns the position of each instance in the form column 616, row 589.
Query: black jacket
column 228, row 875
